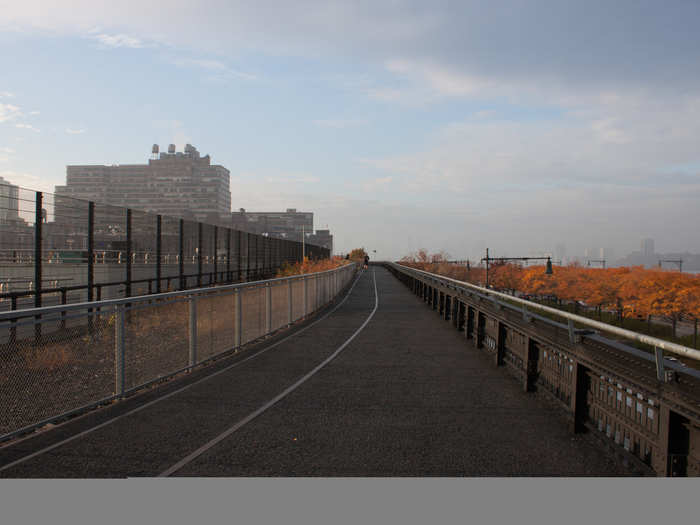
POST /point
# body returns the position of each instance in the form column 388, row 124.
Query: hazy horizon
column 401, row 125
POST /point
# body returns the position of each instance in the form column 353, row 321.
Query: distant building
column 173, row 183
column 647, row 247
column 322, row 238
column 560, row 252
column 9, row 202
column 284, row 225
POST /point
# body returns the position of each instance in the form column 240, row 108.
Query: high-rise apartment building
column 647, row 247
column 173, row 183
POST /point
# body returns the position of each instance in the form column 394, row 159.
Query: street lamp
column 547, row 271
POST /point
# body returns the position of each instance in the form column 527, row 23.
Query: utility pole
column 487, row 267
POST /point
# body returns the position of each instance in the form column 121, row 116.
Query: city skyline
column 561, row 122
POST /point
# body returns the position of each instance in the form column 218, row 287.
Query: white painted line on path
column 166, row 396
column 201, row 450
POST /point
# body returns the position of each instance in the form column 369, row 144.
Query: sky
column 455, row 126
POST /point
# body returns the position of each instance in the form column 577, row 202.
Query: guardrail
column 59, row 360
column 659, row 344
column 651, row 422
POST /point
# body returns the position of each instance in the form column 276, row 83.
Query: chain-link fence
column 60, row 359
column 59, row 250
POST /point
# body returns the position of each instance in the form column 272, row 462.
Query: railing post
column 659, row 355
column 237, row 319
column 119, row 339
column 572, row 332
column 306, row 295
column 193, row 330
column 289, row 302
column 268, row 308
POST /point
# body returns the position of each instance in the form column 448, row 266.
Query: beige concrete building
column 179, row 184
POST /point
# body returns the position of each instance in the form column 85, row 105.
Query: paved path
column 405, row 397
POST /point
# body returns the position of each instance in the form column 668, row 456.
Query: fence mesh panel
column 71, row 358
column 54, row 365
column 253, row 313
column 216, row 333
column 297, row 299
column 279, row 298
column 156, row 341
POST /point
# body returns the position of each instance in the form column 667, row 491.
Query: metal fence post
column 216, row 254
column 228, row 254
column 247, row 258
column 159, row 250
column 128, row 252
column 90, row 261
column 38, row 206
column 268, row 308
column 37, row 262
column 119, row 340
column 199, row 255
column 289, row 302
column 193, row 330
column 239, row 256
column 181, row 255
column 306, row 295
column 659, row 354
column 91, row 250
column 237, row 319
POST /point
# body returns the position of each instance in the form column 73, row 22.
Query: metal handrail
column 27, row 312
column 627, row 334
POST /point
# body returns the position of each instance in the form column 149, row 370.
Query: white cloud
column 441, row 80
column 74, row 131
column 119, row 40
column 606, row 130
column 9, row 112
column 7, row 150
column 28, row 180
column 220, row 69
column 377, row 184
column 293, row 178
column 6, row 94
column 27, row 126
column 34, row 112
column 340, row 123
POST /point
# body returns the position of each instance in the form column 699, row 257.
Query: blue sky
column 401, row 125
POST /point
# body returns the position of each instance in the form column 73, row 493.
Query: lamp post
column 548, row 269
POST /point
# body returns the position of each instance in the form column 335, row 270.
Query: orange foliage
column 628, row 290
column 310, row 266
